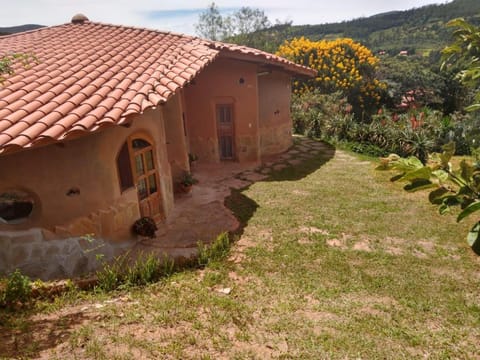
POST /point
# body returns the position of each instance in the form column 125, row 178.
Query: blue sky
column 181, row 15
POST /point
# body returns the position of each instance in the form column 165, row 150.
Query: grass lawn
column 333, row 261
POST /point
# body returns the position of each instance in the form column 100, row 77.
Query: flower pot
column 186, row 189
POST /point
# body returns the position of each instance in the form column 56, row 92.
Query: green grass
column 333, row 261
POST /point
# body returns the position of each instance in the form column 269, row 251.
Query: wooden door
column 225, row 131
column 146, row 178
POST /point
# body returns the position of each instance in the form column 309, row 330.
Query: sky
column 181, row 15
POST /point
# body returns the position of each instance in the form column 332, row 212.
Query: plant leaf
column 419, row 184
column 474, row 234
column 474, row 107
column 466, row 170
column 397, row 177
column 443, row 209
column 441, row 175
column 423, row 173
column 436, row 196
column 475, row 206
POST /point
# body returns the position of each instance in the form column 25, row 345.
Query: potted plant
column 145, row 226
column 187, row 182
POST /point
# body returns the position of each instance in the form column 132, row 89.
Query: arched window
column 124, row 169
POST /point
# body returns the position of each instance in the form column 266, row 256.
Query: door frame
column 230, row 104
column 152, row 198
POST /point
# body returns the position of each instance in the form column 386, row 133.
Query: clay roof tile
column 96, row 75
column 4, row 139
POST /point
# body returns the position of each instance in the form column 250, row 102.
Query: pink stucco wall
column 88, row 164
column 275, row 122
column 176, row 139
column 261, row 103
column 224, row 81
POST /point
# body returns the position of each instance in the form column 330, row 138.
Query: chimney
column 79, row 19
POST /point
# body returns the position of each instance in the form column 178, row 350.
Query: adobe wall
column 274, row 112
column 176, row 136
column 224, row 81
column 56, row 229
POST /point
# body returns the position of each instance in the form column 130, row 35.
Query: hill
column 20, row 28
column 419, row 30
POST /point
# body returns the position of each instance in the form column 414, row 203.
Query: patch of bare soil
column 341, row 243
column 300, row 193
column 45, row 332
column 393, row 246
column 313, row 230
column 379, row 306
column 362, row 245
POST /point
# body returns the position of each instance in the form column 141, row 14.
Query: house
column 96, row 132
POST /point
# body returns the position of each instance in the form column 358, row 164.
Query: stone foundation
column 72, row 249
column 47, row 259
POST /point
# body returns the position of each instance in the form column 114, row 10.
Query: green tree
column 240, row 27
column 211, row 24
column 404, row 74
column 248, row 20
column 464, row 53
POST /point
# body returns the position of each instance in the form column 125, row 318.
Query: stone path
column 201, row 215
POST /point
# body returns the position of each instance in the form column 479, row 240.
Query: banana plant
column 449, row 187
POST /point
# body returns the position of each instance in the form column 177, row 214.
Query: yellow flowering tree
column 343, row 65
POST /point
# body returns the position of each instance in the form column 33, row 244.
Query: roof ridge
column 158, row 31
column 100, row 74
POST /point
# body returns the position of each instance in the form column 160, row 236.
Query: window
column 124, row 168
column 146, row 174
column 15, row 206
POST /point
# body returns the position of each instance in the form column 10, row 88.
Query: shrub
column 342, row 65
column 146, row 269
column 314, row 114
column 215, row 251
column 18, row 288
column 111, row 275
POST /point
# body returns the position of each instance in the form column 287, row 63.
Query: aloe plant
column 449, row 187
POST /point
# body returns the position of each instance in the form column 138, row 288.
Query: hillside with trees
column 419, row 30
column 15, row 29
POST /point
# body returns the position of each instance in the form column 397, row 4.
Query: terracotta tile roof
column 91, row 75
column 264, row 57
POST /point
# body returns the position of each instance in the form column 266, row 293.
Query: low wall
column 72, row 249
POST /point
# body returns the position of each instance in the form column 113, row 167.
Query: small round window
column 15, row 206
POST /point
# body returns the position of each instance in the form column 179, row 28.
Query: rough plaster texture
column 226, row 81
column 48, row 244
column 176, row 140
column 46, row 259
column 88, row 164
column 275, row 123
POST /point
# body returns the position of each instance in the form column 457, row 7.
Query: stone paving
column 201, row 215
